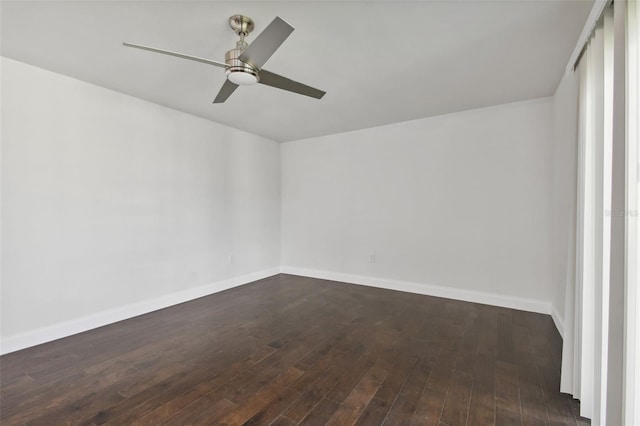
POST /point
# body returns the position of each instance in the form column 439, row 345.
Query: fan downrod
column 241, row 25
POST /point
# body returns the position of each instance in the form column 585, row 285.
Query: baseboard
column 427, row 289
column 557, row 320
column 68, row 328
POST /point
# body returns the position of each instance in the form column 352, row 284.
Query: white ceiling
column 380, row 62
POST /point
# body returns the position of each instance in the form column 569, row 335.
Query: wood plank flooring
column 290, row 350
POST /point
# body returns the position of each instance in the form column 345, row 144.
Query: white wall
column 109, row 201
column 564, row 156
column 461, row 202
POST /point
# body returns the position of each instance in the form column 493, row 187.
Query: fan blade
column 266, row 43
column 179, row 55
column 225, row 91
column 280, row 82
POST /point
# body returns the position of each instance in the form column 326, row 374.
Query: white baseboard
column 99, row 319
column 68, row 328
column 557, row 320
column 427, row 289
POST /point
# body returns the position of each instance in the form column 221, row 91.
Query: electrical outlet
column 372, row 258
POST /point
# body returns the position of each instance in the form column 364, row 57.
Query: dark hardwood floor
column 290, row 350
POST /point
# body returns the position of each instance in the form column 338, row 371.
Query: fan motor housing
column 235, row 65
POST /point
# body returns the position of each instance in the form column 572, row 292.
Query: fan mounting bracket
column 241, row 25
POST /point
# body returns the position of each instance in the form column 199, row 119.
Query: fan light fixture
column 242, row 78
column 243, row 64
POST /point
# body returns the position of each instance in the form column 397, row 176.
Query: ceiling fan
column 243, row 65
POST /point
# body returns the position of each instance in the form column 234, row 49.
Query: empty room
column 319, row 212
